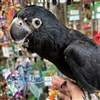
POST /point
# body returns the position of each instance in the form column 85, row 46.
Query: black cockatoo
column 74, row 54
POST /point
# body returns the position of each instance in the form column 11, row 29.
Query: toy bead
column 51, row 97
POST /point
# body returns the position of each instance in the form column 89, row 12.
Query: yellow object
column 52, row 93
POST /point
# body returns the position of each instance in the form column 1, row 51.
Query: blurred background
column 31, row 80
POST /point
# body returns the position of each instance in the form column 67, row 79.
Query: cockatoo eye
column 25, row 19
column 36, row 22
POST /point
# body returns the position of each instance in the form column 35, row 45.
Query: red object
column 86, row 26
column 96, row 37
column 85, row 1
column 11, row 13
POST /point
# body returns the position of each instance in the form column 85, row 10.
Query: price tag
column 48, row 80
column 48, row 83
column 76, row 0
column 5, row 51
column 93, row 17
column 93, row 12
column 74, row 12
column 36, row 73
column 98, row 15
column 71, row 18
column 11, row 51
column 98, row 9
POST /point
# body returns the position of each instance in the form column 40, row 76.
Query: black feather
column 74, row 54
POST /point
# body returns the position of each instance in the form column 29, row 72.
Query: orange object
column 51, row 97
column 11, row 13
column 53, row 87
column 52, row 93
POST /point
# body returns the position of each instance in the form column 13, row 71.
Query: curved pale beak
column 19, row 29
